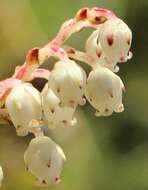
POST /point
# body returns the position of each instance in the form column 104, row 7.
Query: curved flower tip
column 54, row 114
column 68, row 81
column 104, row 91
column 95, row 15
column 24, row 105
column 32, row 57
column 44, row 159
column 82, row 14
column 1, row 176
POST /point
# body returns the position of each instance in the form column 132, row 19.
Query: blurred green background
column 102, row 153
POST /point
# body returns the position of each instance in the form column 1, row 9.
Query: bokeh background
column 102, row 153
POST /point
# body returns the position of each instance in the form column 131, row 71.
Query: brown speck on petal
column 18, row 126
column 128, row 42
column 98, row 40
column 106, row 110
column 99, row 53
column 110, row 94
column 72, row 102
column 49, row 164
column 52, row 110
column 64, row 121
column 57, row 180
column 80, row 87
column 122, row 59
column 58, row 90
column 110, row 40
column 44, row 182
column 99, row 20
column 60, row 103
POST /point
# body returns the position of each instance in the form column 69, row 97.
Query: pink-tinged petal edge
column 6, row 86
column 41, row 73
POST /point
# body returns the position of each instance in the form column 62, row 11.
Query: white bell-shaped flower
column 1, row 176
column 110, row 44
column 54, row 114
column 115, row 38
column 24, row 106
column 44, row 159
column 104, row 91
column 68, row 81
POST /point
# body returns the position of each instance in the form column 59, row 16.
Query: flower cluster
column 67, row 87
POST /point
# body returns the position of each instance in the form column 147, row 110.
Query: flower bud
column 24, row 106
column 68, row 81
column 1, row 176
column 115, row 39
column 104, row 91
column 44, row 159
column 54, row 114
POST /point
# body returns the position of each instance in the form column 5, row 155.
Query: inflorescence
column 67, row 87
